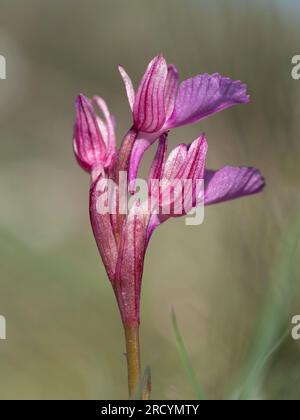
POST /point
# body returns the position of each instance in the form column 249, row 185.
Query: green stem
column 133, row 358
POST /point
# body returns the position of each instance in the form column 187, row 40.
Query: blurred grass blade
column 275, row 347
column 186, row 360
column 143, row 391
column 275, row 316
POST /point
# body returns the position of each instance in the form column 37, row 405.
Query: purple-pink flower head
column 159, row 104
column 94, row 139
column 162, row 102
column 154, row 101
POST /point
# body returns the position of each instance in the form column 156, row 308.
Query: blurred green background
column 64, row 336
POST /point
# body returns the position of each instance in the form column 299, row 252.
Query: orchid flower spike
column 122, row 237
column 162, row 103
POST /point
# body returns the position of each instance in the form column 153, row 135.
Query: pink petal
column 230, row 183
column 204, row 95
column 159, row 159
column 171, row 88
column 140, row 146
column 125, row 150
column 195, row 162
column 149, row 107
column 187, row 166
column 155, row 175
column 175, row 161
column 128, row 86
column 109, row 126
column 88, row 143
column 179, row 175
column 226, row 184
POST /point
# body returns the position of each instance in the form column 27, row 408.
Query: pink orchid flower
column 94, row 141
column 159, row 105
column 162, row 103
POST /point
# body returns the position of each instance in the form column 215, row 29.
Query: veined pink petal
column 229, row 183
column 88, row 143
column 204, row 95
column 103, row 130
column 149, row 108
column 139, row 148
column 155, row 175
column 184, row 163
column 109, row 126
column 159, row 159
column 125, row 150
column 186, row 169
column 103, row 230
column 195, row 162
column 176, row 193
column 128, row 277
column 128, row 86
column 171, row 88
column 175, row 161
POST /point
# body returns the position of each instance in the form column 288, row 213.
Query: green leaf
column 186, row 360
column 144, row 386
column 276, row 313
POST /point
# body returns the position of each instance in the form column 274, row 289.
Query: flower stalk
column 133, row 358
